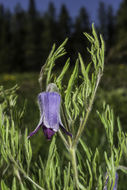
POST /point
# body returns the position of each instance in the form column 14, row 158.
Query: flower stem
column 64, row 140
column 74, row 166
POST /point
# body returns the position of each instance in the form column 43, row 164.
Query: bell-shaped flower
column 50, row 120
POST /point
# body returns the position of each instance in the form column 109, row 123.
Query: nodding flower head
column 50, row 120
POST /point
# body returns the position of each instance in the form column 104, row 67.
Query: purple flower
column 115, row 185
column 50, row 121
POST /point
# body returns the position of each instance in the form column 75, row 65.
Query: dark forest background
column 26, row 37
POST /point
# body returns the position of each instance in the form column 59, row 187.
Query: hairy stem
column 74, row 166
column 63, row 139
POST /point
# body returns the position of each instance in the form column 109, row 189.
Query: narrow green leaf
column 107, row 161
column 1, row 117
column 7, row 127
column 67, row 177
column 40, row 177
column 14, row 184
column 4, row 186
column 95, row 36
column 82, row 65
column 100, row 182
column 70, row 86
column 60, row 77
column 91, row 176
column 94, row 163
column 4, row 154
column 75, row 105
column 88, row 67
column 102, row 52
column 90, row 38
column 22, row 186
column 51, row 53
column 85, row 148
column 63, row 44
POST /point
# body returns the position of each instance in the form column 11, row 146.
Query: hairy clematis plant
column 50, row 121
column 90, row 165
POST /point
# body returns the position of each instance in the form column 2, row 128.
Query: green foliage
column 83, row 168
column 115, row 153
column 50, row 63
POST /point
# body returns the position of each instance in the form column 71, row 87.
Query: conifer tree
column 118, row 53
column 50, row 31
column 102, row 19
column 32, row 40
column 5, row 38
column 81, row 24
column 18, row 23
column 122, row 21
column 32, row 10
column 82, row 21
column 64, row 22
column 1, row 17
column 110, row 27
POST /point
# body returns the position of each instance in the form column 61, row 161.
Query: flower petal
column 63, row 128
column 65, row 131
column 36, row 129
column 50, row 107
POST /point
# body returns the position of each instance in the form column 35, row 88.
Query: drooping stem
column 74, row 166
column 64, row 140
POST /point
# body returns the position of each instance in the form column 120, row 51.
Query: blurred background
column 28, row 29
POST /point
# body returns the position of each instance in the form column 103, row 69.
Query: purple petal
column 36, row 129
column 63, row 128
column 48, row 132
column 50, row 106
column 65, row 131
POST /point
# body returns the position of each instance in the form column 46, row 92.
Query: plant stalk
column 74, row 166
column 64, row 140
